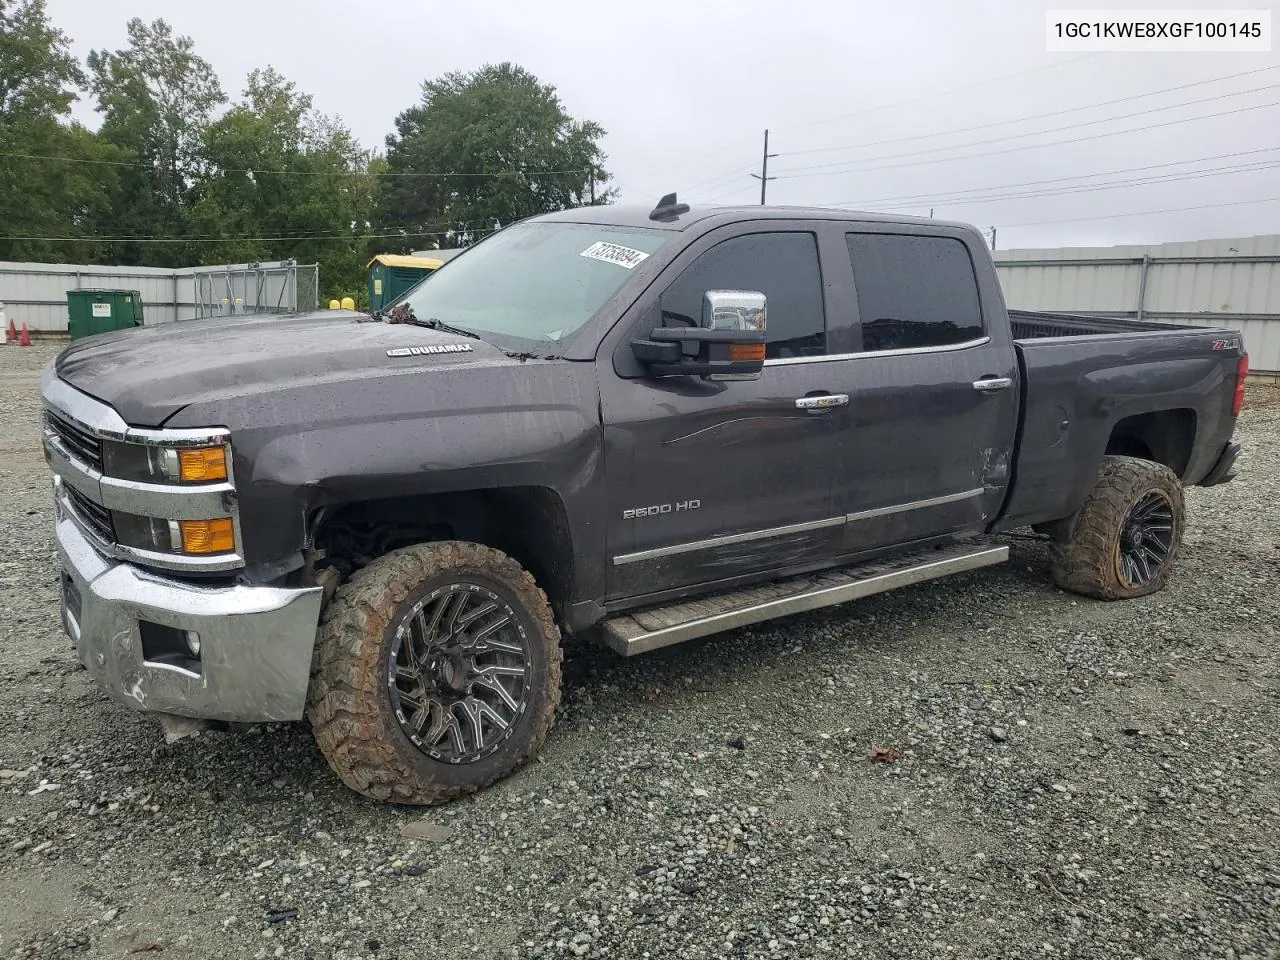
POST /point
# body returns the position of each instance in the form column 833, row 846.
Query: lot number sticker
column 102, row 309
column 613, row 253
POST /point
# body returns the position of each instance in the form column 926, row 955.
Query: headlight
column 162, row 464
column 180, row 537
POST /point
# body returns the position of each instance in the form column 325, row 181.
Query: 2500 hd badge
column 638, row 512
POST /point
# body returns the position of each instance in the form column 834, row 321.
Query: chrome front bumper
column 255, row 647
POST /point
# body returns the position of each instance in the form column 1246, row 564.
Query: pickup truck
column 626, row 425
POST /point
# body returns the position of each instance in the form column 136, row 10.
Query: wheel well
column 529, row 524
column 1166, row 436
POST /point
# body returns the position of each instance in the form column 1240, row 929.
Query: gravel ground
column 1073, row 779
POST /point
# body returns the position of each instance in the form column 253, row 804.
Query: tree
column 274, row 167
column 510, row 147
column 38, row 75
column 156, row 96
column 44, row 191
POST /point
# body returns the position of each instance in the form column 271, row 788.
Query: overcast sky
column 873, row 91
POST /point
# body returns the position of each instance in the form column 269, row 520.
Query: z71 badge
column 1227, row 343
column 658, row 509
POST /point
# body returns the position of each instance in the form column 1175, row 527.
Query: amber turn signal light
column 208, row 536
column 202, row 464
column 746, row 351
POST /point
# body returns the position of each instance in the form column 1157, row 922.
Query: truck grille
column 97, row 517
column 79, row 442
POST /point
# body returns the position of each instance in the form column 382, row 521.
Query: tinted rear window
column 914, row 291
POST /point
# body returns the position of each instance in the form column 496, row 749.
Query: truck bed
column 1082, row 376
column 1037, row 325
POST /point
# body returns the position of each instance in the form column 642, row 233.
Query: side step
column 645, row 630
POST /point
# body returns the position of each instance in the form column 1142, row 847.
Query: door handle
column 822, row 401
column 992, row 384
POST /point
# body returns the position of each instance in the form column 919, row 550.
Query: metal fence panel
column 36, row 293
column 1223, row 283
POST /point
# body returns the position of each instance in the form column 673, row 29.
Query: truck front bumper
column 235, row 653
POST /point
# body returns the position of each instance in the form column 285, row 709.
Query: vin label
column 1158, row 31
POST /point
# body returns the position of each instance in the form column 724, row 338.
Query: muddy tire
column 1126, row 538
column 436, row 673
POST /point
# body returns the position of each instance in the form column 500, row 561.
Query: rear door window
column 914, row 292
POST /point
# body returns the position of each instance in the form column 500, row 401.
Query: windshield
column 534, row 282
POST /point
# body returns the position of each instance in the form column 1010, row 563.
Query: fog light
column 208, row 536
column 193, row 643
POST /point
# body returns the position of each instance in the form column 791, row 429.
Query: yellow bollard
column 334, row 305
column 348, row 303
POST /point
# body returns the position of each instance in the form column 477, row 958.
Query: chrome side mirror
column 734, row 310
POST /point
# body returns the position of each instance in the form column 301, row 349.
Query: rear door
column 710, row 481
column 934, row 389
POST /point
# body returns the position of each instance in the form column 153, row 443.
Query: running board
column 645, row 630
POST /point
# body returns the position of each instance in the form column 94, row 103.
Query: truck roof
column 626, row 215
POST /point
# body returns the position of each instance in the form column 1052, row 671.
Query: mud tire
column 1087, row 557
column 349, row 706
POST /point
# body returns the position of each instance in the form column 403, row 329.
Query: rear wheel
column 1126, row 537
column 437, row 672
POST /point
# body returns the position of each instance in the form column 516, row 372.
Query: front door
column 709, row 481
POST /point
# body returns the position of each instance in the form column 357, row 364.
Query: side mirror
column 730, row 340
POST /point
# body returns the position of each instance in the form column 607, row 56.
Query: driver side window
column 782, row 266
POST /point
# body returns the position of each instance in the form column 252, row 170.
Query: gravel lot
column 1077, row 779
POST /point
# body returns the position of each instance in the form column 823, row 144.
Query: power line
column 336, row 236
column 943, row 93
column 1070, row 126
column 1146, row 213
column 932, row 197
column 1085, row 188
column 1031, row 146
column 742, row 170
column 1054, row 113
column 730, row 191
column 720, row 179
column 301, row 173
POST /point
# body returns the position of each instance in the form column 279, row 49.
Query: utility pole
column 763, row 175
column 993, row 238
column 931, row 213
column 591, row 178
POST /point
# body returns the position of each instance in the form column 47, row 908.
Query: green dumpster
column 101, row 311
column 392, row 274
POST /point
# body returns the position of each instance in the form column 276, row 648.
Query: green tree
column 156, row 96
column 517, row 151
column 274, row 167
column 44, row 191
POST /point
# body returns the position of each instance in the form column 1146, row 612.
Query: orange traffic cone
column 26, row 337
column 12, row 335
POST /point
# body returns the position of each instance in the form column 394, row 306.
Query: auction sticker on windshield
column 615, row 254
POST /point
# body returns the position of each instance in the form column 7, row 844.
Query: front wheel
column 1126, row 538
column 436, row 672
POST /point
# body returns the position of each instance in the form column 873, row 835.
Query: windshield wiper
column 440, row 325
column 404, row 314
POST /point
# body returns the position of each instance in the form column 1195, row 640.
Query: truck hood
column 150, row 373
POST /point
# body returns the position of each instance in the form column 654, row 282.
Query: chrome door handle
column 992, row 384
column 822, row 401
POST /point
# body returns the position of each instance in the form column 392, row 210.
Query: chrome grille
column 97, row 517
column 78, row 441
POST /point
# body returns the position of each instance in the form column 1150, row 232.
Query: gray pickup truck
column 636, row 426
